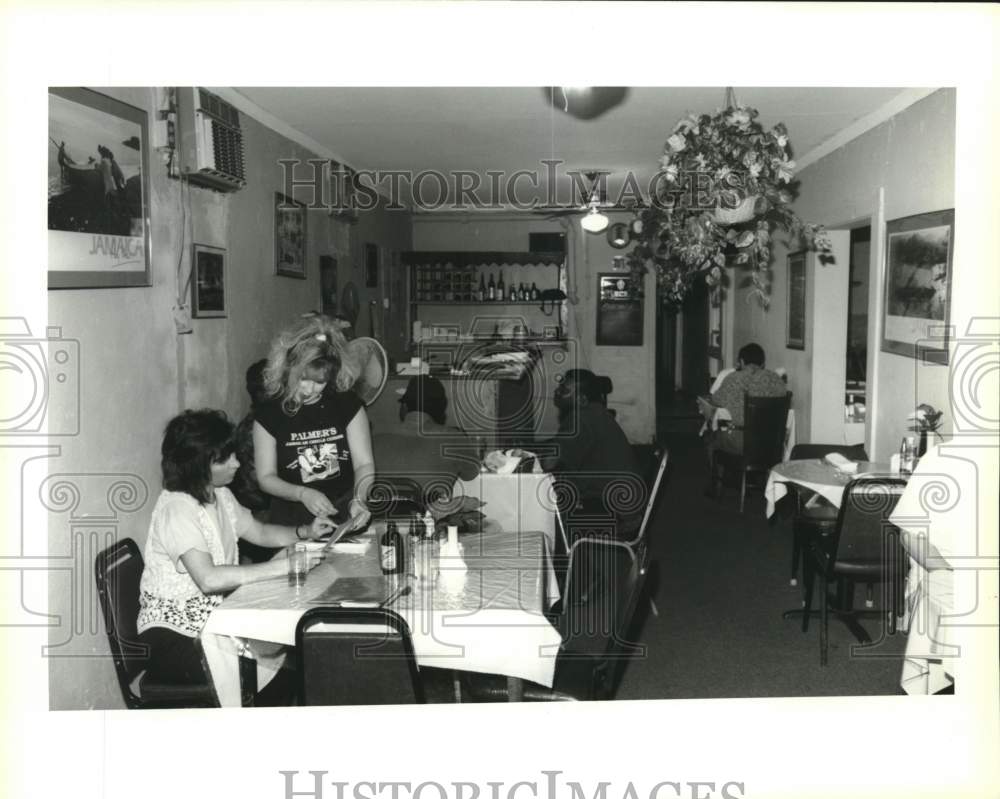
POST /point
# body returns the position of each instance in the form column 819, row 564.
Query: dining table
column 818, row 476
column 485, row 612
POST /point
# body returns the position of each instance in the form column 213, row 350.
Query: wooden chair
column 356, row 656
column 117, row 571
column 864, row 546
column 764, row 420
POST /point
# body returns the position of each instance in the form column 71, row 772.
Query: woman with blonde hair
column 312, row 445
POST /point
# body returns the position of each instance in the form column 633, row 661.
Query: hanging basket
column 743, row 212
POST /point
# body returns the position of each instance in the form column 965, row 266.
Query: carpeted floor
column 722, row 584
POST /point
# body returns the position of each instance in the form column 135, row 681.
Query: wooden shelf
column 484, row 303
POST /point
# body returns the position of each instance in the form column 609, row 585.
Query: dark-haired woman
column 191, row 555
column 312, row 444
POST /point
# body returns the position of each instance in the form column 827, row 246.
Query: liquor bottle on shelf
column 481, row 296
column 501, row 296
column 535, row 296
column 521, row 296
column 491, row 290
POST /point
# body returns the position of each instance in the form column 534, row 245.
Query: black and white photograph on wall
column 289, row 237
column 98, row 226
column 371, row 266
column 208, row 282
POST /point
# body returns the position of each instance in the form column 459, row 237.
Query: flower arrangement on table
column 724, row 185
column 925, row 419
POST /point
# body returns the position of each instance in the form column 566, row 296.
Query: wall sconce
column 618, row 235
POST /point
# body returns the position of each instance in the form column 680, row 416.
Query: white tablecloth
column 816, row 475
column 491, row 621
column 515, row 501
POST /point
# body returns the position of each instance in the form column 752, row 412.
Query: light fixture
column 594, row 221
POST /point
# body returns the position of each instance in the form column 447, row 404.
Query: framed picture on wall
column 328, row 284
column 619, row 311
column 98, row 192
column 795, row 318
column 289, row 237
column 915, row 306
column 208, row 282
column 371, row 266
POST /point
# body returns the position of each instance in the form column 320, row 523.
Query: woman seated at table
column 312, row 444
column 191, row 555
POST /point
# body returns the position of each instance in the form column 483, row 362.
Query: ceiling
column 508, row 129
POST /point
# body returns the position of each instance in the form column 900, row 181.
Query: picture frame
column 98, row 192
column 328, row 285
column 208, row 282
column 371, row 266
column 619, row 311
column 289, row 237
column 916, row 300
column 795, row 312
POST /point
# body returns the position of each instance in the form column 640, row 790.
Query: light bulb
column 594, row 221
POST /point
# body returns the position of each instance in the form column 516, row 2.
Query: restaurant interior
column 258, row 208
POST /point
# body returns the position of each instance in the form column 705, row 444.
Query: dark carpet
column 721, row 584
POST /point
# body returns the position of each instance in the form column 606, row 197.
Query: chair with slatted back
column 117, row 570
column 356, row 656
column 864, row 546
column 764, row 420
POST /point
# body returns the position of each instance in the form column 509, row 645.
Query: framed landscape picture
column 289, row 237
column 208, row 282
column 98, row 192
column 915, row 310
column 795, row 323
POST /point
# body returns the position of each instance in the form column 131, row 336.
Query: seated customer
column 190, row 550
column 590, row 453
column 422, row 457
column 749, row 379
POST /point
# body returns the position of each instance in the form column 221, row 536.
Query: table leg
column 515, row 689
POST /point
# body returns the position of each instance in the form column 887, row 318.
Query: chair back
column 805, row 452
column 604, row 584
column 355, row 656
column 654, row 495
column 764, row 421
column 862, row 536
column 117, row 571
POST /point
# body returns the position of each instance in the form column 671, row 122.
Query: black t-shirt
column 311, row 447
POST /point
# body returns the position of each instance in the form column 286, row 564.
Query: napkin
column 504, row 461
column 841, row 463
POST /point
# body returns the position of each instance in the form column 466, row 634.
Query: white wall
column 910, row 159
column 136, row 372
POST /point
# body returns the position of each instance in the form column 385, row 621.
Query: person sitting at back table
column 422, row 457
column 591, row 451
column 749, row 379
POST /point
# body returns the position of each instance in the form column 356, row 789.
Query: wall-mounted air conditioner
column 211, row 142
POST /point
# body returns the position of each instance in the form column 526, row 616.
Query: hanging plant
column 723, row 187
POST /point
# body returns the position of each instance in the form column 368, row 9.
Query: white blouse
column 168, row 597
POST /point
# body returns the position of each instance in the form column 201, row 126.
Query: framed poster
column 208, row 282
column 98, row 192
column 328, row 285
column 619, row 311
column 795, row 318
column 915, row 307
column 371, row 266
column 289, row 237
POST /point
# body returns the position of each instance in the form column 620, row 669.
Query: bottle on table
column 907, row 455
column 391, row 549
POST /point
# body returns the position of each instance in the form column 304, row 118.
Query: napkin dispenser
column 841, row 464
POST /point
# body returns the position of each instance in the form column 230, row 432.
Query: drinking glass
column 298, row 564
column 908, row 455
